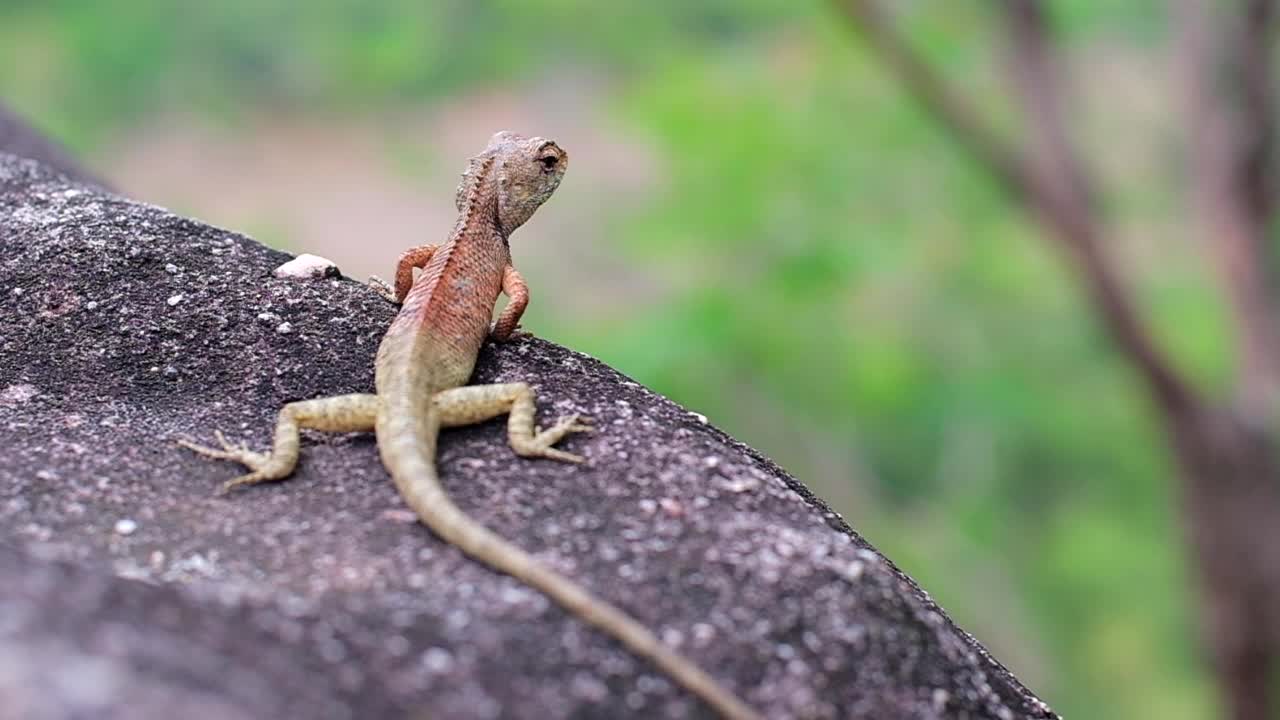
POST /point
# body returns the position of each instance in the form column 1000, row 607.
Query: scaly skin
column 422, row 367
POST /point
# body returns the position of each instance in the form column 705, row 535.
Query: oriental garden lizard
column 422, row 367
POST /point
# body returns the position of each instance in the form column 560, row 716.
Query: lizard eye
column 549, row 162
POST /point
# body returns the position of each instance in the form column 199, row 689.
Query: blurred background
column 757, row 222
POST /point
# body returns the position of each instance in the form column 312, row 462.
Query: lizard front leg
column 476, row 403
column 517, row 293
column 341, row 413
column 414, row 257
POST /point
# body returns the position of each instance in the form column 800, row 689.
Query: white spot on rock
column 126, row 526
column 400, row 515
column 19, row 393
column 673, row 637
column 175, row 299
column 703, row 633
column 306, row 266
column 740, row 485
column 437, row 661
column 587, row 687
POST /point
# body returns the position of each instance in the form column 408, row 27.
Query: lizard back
column 438, row 332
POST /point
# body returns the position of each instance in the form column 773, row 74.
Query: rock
column 311, row 597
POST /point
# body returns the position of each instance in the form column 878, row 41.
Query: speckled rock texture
column 132, row 590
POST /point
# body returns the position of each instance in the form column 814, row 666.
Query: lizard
column 422, row 366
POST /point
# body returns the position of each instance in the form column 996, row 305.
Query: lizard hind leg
column 341, row 413
column 476, row 403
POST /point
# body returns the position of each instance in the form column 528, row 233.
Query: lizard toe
column 246, row 479
column 205, row 450
column 556, row 454
column 228, row 446
column 573, row 424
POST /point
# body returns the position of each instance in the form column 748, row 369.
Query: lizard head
column 525, row 171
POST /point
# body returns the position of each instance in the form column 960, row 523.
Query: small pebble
column 174, row 300
column 126, row 527
column 307, row 265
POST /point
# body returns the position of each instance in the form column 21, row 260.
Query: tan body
column 422, row 367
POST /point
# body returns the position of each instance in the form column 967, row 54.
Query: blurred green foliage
column 848, row 277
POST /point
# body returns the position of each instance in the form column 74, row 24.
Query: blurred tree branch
column 1052, row 182
column 974, row 134
column 1226, row 450
column 1232, row 147
column 1065, row 198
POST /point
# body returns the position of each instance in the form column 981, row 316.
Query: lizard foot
column 516, row 333
column 540, row 445
column 230, row 451
column 383, row 288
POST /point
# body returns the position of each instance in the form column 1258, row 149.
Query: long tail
column 410, row 460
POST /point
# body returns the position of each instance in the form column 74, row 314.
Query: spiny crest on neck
column 475, row 190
